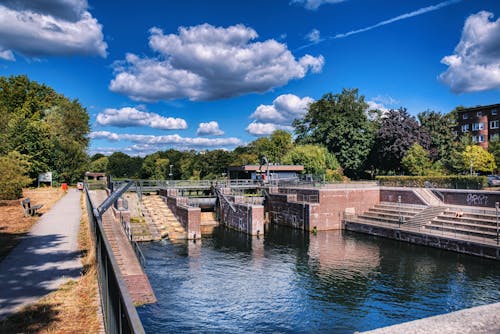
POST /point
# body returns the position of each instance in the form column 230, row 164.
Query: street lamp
column 496, row 208
column 171, row 174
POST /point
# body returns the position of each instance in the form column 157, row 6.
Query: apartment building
column 482, row 123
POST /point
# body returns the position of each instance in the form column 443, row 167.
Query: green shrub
column 13, row 175
column 448, row 181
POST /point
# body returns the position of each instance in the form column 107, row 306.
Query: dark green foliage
column 398, row 132
column 339, row 122
column 449, row 181
column 45, row 126
column 122, row 165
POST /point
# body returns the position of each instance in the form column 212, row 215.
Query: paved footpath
column 46, row 258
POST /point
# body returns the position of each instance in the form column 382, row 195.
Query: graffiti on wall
column 477, row 199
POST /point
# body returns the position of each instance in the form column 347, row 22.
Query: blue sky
column 192, row 74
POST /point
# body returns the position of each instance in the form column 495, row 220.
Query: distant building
column 481, row 122
column 255, row 172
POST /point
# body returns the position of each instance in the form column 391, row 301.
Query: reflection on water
column 294, row 282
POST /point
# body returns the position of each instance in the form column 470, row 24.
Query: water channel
column 294, row 282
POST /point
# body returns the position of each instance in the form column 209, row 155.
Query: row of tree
column 278, row 148
column 40, row 131
column 337, row 136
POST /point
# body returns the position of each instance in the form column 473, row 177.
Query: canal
column 295, row 282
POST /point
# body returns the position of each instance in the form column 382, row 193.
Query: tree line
column 339, row 137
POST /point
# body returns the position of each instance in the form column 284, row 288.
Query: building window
column 477, row 126
column 494, row 125
column 494, row 136
column 479, row 113
column 493, row 112
column 478, row 139
column 465, row 128
column 465, row 116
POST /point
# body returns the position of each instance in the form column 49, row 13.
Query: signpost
column 45, row 178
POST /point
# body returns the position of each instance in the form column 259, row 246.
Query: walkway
column 47, row 257
column 477, row 320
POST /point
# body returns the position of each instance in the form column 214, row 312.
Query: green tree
column 122, row 165
column 478, row 159
column 315, row 159
column 14, row 169
column 339, row 122
column 51, row 130
column 494, row 148
column 99, row 165
column 416, row 161
column 440, row 128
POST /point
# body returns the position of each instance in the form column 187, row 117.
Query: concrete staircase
column 425, row 216
column 162, row 217
column 480, row 223
column 427, row 196
column 389, row 213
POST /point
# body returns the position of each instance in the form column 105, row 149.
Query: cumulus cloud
column 175, row 140
column 475, row 63
column 314, row 36
column 284, row 110
column 129, row 116
column 49, row 27
column 279, row 115
column 314, row 4
column 209, row 129
column 264, row 129
column 207, row 63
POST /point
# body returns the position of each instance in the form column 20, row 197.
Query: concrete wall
column 321, row 208
column 460, row 246
column 246, row 217
column 471, row 197
column 478, row 198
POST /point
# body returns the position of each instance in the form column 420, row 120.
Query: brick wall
column 247, row 218
column 388, row 194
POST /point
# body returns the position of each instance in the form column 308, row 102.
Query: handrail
column 119, row 312
column 430, row 186
column 220, row 194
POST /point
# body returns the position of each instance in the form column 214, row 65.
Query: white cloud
column 207, row 63
column 372, row 105
column 475, row 64
column 209, row 129
column 264, row 129
column 128, row 116
column 314, row 36
column 284, row 110
column 159, row 142
column 43, row 28
column 314, row 4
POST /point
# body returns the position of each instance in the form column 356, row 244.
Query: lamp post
column 497, row 204
column 171, row 174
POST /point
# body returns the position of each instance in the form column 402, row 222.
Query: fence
column 119, row 313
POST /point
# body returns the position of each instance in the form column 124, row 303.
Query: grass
column 14, row 225
column 70, row 309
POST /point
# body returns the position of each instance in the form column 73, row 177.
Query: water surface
column 294, row 282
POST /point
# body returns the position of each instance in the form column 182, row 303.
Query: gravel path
column 46, row 258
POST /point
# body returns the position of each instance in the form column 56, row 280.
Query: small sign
column 45, row 177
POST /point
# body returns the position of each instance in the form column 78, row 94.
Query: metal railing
column 119, row 313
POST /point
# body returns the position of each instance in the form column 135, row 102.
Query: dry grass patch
column 13, row 224
column 70, row 309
